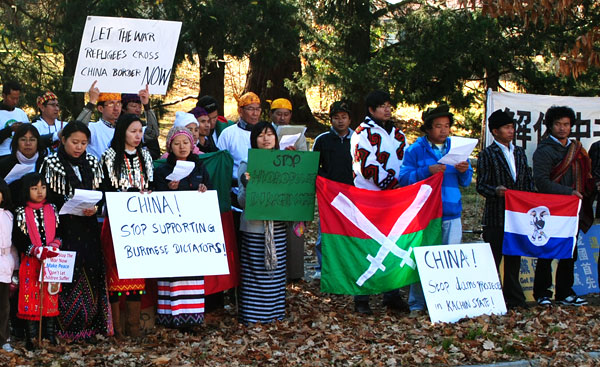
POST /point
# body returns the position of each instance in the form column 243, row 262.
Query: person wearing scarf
column 26, row 149
column 83, row 303
column 562, row 166
column 263, row 249
column 35, row 237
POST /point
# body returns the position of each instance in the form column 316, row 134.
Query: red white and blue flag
column 540, row 225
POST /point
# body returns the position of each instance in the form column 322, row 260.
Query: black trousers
column 563, row 286
column 511, row 289
column 4, row 312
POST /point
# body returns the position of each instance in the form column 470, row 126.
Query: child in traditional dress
column 34, row 235
column 8, row 260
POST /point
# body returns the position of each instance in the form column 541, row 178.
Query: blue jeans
column 451, row 235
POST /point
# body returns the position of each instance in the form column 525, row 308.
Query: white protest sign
column 125, row 54
column 59, row 269
column 459, row 281
column 528, row 111
column 167, row 234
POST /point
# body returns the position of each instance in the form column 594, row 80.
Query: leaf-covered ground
column 323, row 330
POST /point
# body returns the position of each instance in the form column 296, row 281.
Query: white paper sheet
column 18, row 171
column 288, row 141
column 460, row 149
column 182, row 170
column 83, row 199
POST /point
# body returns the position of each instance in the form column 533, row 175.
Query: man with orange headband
column 236, row 138
column 281, row 115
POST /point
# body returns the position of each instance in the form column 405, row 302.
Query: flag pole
column 41, row 304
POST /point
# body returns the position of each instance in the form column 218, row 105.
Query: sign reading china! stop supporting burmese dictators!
column 282, row 185
column 125, row 54
column 459, row 281
column 167, row 234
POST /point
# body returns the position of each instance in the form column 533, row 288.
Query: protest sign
column 59, row 269
column 459, row 281
column 282, row 185
column 527, row 110
column 167, row 234
column 125, row 54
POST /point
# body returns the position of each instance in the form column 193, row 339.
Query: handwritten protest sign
column 459, row 281
column 125, row 54
column 282, row 185
column 167, row 234
column 59, row 269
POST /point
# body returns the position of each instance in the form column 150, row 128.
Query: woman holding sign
column 263, row 250
column 127, row 167
column 181, row 300
column 83, row 303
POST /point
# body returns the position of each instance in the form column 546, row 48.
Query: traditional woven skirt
column 180, row 302
column 262, row 292
column 29, row 292
column 114, row 284
column 83, row 303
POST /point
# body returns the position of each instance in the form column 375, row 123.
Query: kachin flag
column 367, row 236
column 540, row 225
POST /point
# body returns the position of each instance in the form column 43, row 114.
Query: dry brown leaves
column 322, row 329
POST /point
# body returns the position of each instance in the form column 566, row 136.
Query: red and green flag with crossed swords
column 367, row 236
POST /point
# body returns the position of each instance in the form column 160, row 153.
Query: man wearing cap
column 421, row 161
column 11, row 117
column 335, row 160
column 281, row 115
column 48, row 124
column 502, row 166
column 133, row 103
column 377, row 149
column 236, row 138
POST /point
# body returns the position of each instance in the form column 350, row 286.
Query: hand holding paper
column 182, row 170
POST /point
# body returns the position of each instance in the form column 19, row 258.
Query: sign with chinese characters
column 528, row 112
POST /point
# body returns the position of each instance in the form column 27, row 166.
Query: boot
column 50, row 329
column 116, row 315
column 31, row 333
column 133, row 318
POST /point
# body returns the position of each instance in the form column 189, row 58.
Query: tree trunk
column 269, row 84
column 212, row 77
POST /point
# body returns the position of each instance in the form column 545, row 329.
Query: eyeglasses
column 112, row 104
column 53, row 105
column 252, row 109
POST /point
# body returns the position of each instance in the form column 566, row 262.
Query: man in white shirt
column 11, row 117
column 48, row 124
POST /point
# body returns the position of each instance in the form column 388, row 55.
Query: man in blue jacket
column 421, row 161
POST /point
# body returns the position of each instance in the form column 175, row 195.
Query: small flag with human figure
column 540, row 225
column 368, row 236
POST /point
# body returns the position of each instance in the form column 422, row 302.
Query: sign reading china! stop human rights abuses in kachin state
column 124, row 55
column 167, row 234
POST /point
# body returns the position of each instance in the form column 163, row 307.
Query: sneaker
column 316, row 275
column 544, row 301
column 7, row 348
column 573, row 301
column 416, row 313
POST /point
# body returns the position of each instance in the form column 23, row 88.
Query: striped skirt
column 180, row 302
column 262, row 292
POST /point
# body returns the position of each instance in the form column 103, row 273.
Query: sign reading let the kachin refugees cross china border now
column 167, row 234
column 459, row 281
column 124, row 55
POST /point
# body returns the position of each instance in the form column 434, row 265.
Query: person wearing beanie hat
column 502, row 166
column 133, row 103
column 335, row 160
column 174, row 313
column 47, row 123
column 11, row 116
column 236, row 138
column 420, row 162
column 562, row 166
column 377, row 149
column 205, row 142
